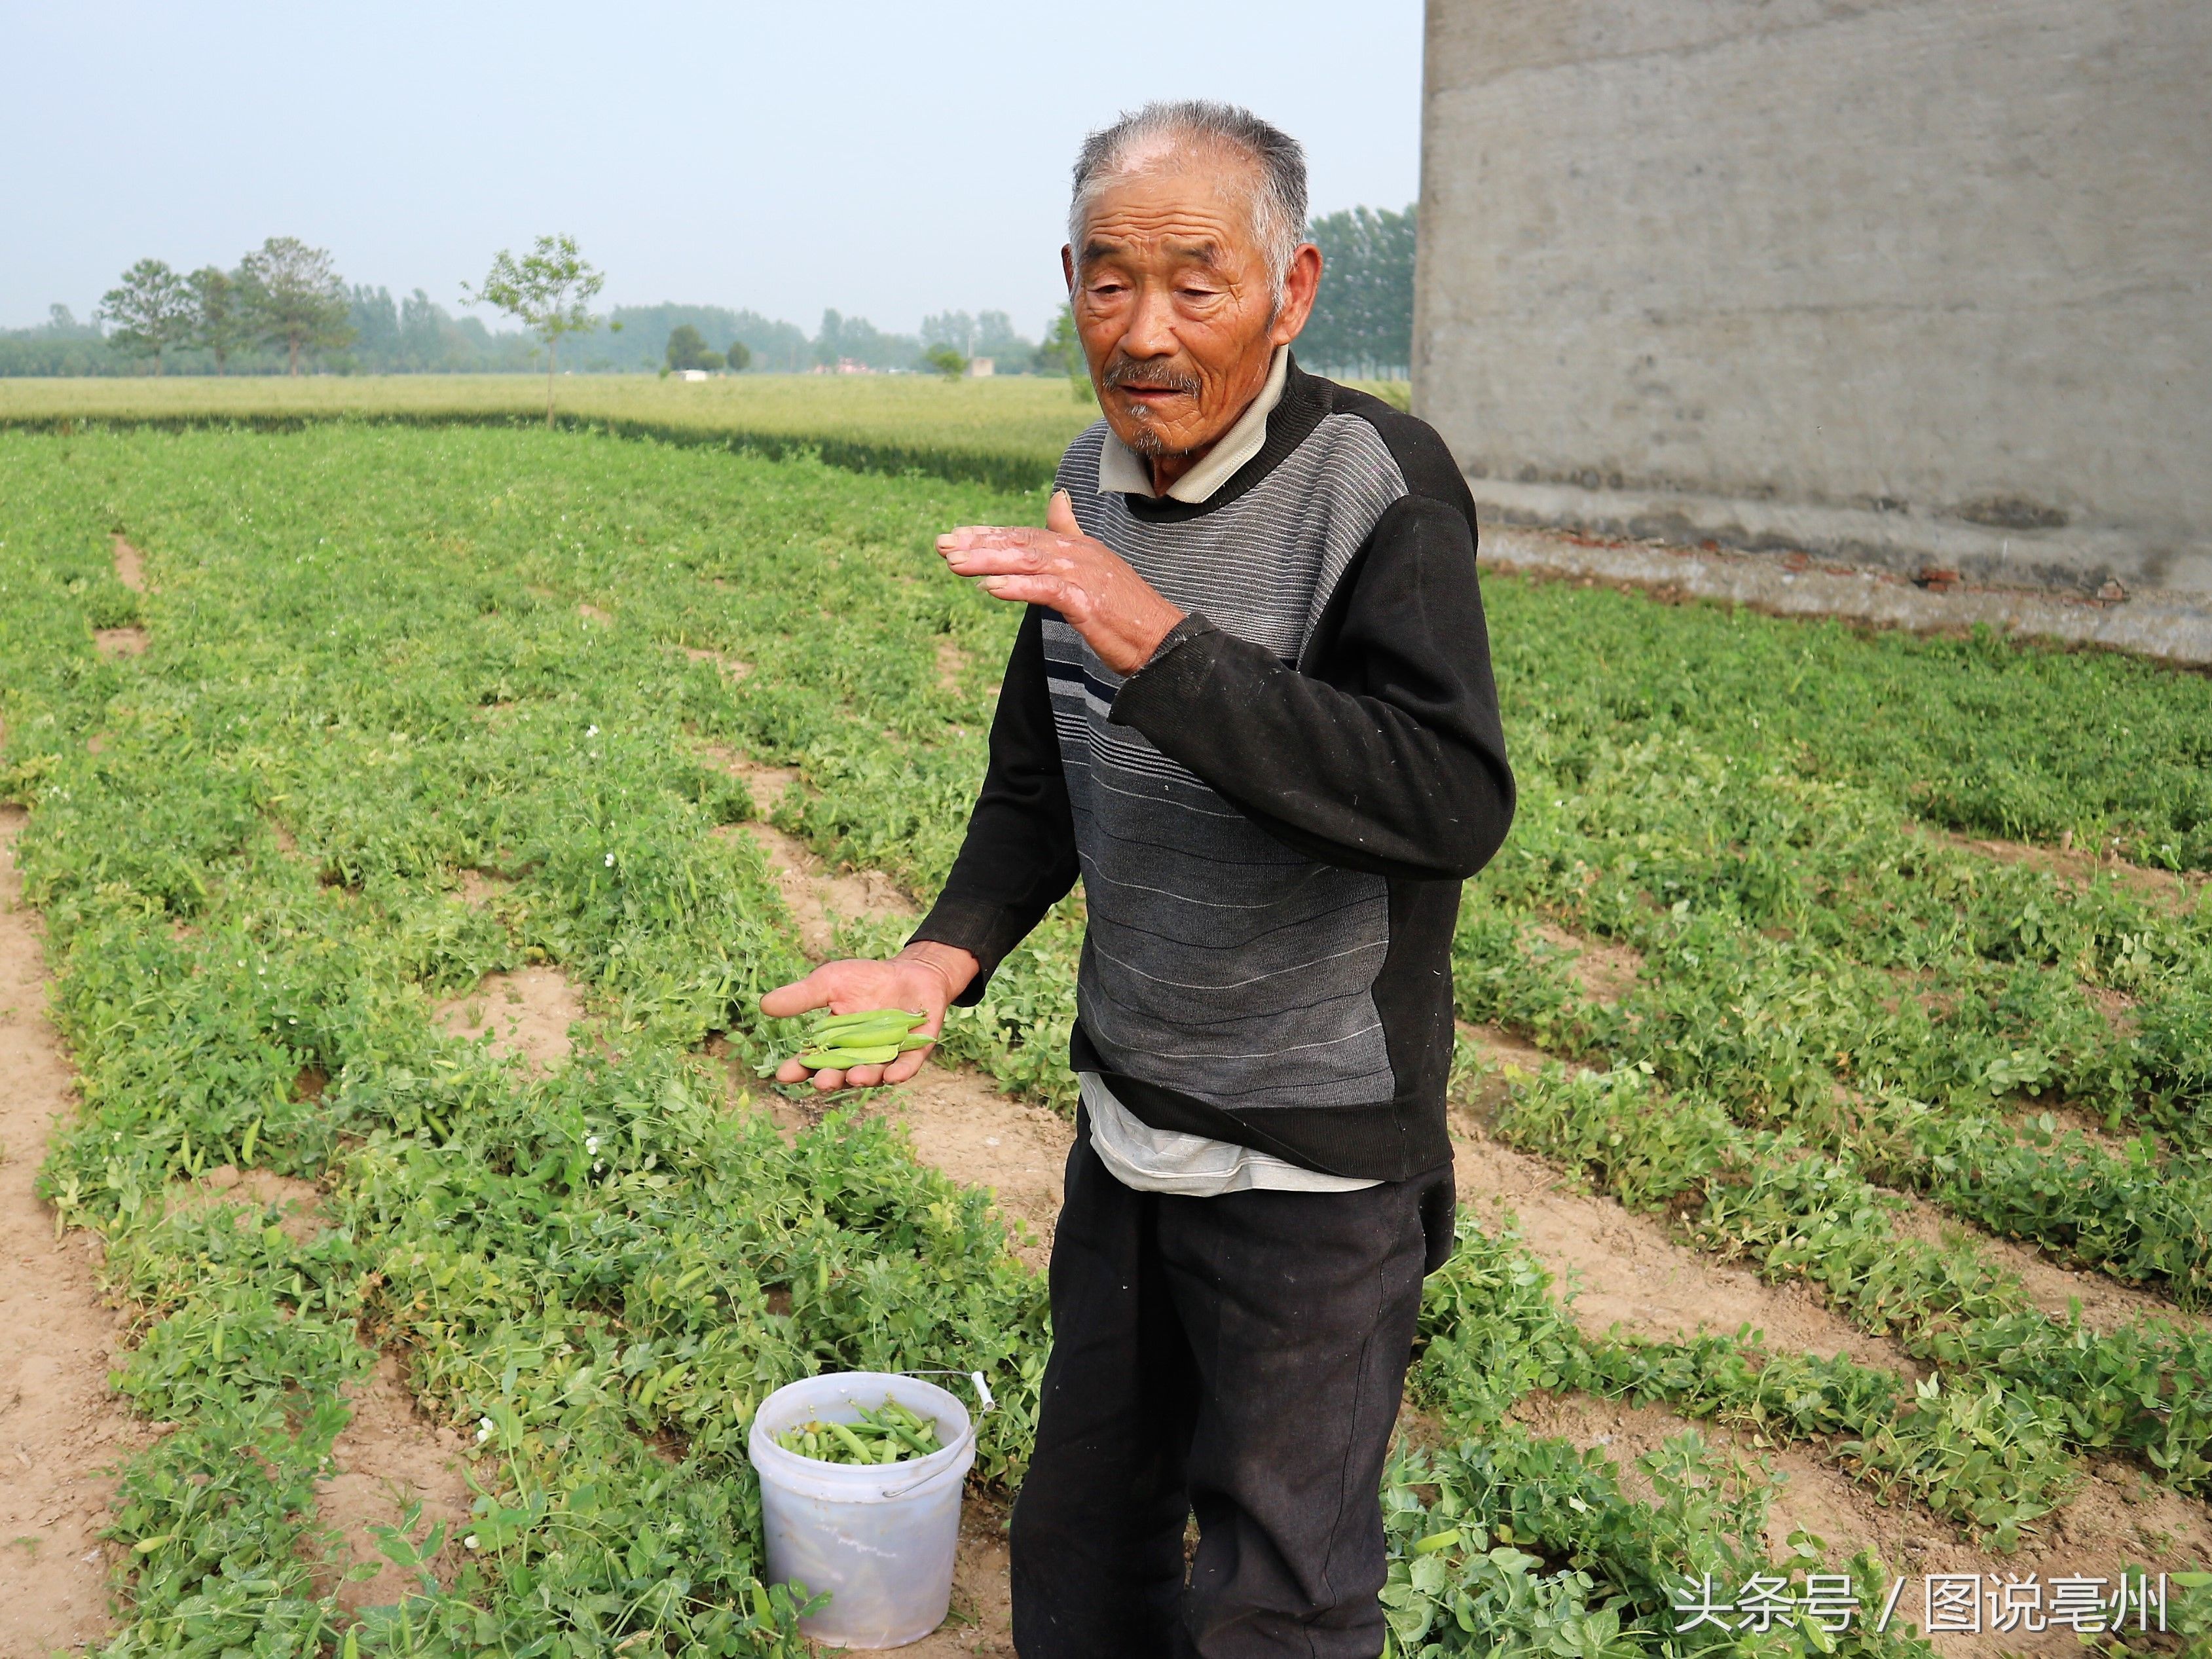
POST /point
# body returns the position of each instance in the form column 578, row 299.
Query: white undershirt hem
column 1149, row 1160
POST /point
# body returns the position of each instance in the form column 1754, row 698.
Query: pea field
column 1835, row 1169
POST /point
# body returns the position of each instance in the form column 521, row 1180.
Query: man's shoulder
column 1417, row 449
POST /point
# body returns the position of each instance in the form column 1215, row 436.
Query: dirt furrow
column 2117, row 1516
column 130, row 566
column 60, row 1425
column 2107, row 1304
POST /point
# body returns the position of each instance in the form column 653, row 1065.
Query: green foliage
column 293, row 298
column 1363, row 317
column 219, row 325
column 688, row 350
column 739, row 356
column 549, row 291
column 152, row 311
column 946, row 362
column 1006, row 433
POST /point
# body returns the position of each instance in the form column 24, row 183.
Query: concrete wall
column 1923, row 282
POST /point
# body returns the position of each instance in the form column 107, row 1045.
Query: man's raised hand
column 1120, row 615
column 924, row 978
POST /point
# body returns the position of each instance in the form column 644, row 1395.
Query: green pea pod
column 908, row 1044
column 870, row 1017
column 856, row 1036
column 819, row 1059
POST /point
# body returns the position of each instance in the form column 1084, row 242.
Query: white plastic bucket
column 879, row 1539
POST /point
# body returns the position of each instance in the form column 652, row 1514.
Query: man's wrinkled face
column 1173, row 303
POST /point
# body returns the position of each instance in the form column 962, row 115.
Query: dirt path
column 59, row 1425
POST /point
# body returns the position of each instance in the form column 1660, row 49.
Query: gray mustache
column 1141, row 377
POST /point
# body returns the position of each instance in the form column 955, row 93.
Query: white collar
column 1122, row 471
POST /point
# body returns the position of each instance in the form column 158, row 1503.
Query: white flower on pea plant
column 611, row 861
column 483, row 1429
column 592, row 732
column 471, row 1542
column 592, row 1143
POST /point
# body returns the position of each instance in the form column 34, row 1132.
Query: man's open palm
column 852, row 987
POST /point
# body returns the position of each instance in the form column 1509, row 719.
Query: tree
column 1363, row 318
column 219, row 323
column 1062, row 353
column 740, row 357
column 151, row 309
column 688, row 348
column 549, row 291
column 946, row 362
column 296, row 298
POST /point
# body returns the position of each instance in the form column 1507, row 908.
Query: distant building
column 1922, row 285
column 690, row 374
column 978, row 367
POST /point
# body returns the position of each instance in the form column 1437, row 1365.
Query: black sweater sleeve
column 1018, row 860
column 1382, row 750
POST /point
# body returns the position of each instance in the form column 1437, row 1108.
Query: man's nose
column 1151, row 332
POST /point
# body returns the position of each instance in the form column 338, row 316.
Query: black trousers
column 1238, row 1357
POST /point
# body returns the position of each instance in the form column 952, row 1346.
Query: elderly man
column 1250, row 705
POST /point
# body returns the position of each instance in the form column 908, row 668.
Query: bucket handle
column 986, row 1403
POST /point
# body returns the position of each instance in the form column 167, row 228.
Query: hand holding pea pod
column 905, row 998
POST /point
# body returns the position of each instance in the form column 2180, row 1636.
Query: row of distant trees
column 283, row 295
column 283, row 307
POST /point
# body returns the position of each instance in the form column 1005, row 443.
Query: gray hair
column 1277, row 197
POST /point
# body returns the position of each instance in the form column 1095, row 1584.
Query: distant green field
column 1007, row 432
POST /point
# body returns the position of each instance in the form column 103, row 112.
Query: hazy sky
column 889, row 160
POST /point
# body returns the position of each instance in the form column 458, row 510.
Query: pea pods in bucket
column 878, row 1538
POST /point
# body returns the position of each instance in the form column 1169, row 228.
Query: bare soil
column 481, row 891
column 389, row 1458
column 60, row 1425
column 951, row 663
column 298, row 1202
column 733, row 671
column 130, row 566
column 1628, row 1274
column 961, row 1124
column 526, row 1013
column 1604, row 973
column 119, row 641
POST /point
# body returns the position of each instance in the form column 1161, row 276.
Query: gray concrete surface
column 2174, row 627
column 1908, row 284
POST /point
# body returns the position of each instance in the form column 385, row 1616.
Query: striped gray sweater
column 1272, row 818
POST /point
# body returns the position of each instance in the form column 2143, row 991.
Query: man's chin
column 1148, row 436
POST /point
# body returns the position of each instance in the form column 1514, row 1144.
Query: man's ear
column 1300, row 284
column 1067, row 267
